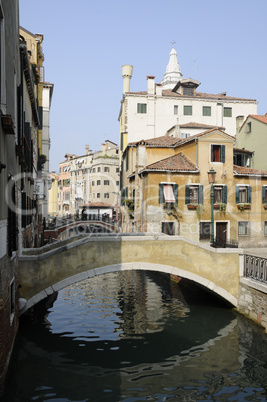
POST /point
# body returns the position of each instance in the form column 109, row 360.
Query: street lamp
column 211, row 176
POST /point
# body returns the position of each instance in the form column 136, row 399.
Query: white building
column 175, row 107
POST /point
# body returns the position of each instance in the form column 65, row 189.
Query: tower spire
column 173, row 72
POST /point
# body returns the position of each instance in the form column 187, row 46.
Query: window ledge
column 191, row 206
column 243, row 206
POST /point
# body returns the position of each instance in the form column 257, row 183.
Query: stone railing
column 255, row 268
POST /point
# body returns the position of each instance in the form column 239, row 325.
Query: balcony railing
column 255, row 268
column 227, row 244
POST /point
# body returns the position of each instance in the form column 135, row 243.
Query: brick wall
column 253, row 304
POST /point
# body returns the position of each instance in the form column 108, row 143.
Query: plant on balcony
column 129, row 203
column 192, row 206
column 222, row 207
column 243, row 206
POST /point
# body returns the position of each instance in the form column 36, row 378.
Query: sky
column 222, row 44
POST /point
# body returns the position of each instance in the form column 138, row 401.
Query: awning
column 168, row 193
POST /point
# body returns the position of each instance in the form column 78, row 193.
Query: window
column 93, row 183
column 175, row 109
column 248, row 127
column 185, row 135
column 220, row 194
column 206, row 111
column 127, row 161
column 188, row 91
column 243, row 194
column 167, row 228
column 106, row 169
column 106, row 182
column 244, row 228
column 217, row 153
column 227, row 112
column 194, row 194
column 168, row 193
column 98, row 183
column 12, row 299
column 60, row 170
column 93, row 170
column 98, row 195
column 99, row 169
column 204, row 230
column 141, row 107
column 265, row 228
column 117, row 183
column 117, row 170
column 106, row 195
column 188, row 110
column 66, row 196
column 264, row 194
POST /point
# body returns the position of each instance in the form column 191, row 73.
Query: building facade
column 175, row 107
column 166, row 190
column 252, row 135
column 53, row 195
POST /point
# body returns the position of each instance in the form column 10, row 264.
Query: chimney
column 127, row 72
column 158, row 89
column 239, row 122
column 150, row 84
column 87, row 150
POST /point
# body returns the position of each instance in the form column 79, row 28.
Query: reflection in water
column 134, row 335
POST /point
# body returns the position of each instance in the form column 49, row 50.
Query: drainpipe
column 142, row 203
column 196, row 151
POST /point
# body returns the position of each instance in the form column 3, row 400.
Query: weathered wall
column 217, row 270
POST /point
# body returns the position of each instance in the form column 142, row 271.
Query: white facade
column 152, row 113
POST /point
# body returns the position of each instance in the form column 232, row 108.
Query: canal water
column 137, row 336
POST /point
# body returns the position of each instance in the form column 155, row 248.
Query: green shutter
column 127, row 160
column 122, row 196
column 161, row 197
column 249, row 194
column 237, row 194
column 175, row 193
column 200, row 194
column 264, row 194
column 187, row 195
column 224, row 194
column 222, row 154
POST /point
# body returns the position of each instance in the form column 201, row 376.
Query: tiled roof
column 198, row 95
column 172, row 142
column 176, row 163
column 261, row 118
column 244, row 171
column 198, row 125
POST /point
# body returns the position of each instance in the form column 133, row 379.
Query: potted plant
column 192, row 206
column 222, row 207
column 243, row 206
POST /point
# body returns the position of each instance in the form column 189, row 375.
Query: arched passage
column 211, row 286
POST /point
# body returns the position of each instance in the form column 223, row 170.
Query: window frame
column 141, row 108
column 227, row 112
column 175, row 190
column 223, row 189
column 206, row 111
column 189, row 199
column 246, row 227
column 175, row 110
column 214, row 150
column 202, row 233
column 248, row 193
column 188, row 110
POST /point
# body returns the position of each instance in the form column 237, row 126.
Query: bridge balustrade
column 255, row 268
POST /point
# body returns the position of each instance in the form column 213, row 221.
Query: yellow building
column 165, row 188
column 53, row 195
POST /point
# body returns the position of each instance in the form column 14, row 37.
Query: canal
column 137, row 336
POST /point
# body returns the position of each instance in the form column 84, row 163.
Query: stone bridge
column 53, row 267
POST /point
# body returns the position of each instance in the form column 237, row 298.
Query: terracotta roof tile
column 244, row 171
column 175, row 163
column 261, row 118
column 96, row 205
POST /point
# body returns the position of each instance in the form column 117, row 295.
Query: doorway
column 221, row 232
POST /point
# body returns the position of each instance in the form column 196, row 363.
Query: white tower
column 173, row 72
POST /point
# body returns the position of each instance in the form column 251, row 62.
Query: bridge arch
column 209, row 285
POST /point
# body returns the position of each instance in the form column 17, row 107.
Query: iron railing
column 221, row 244
column 255, row 268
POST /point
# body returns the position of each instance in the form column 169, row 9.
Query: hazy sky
column 222, row 44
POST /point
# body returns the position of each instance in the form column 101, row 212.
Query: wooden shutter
column 211, row 153
column 200, row 194
column 264, row 194
column 237, row 194
column 175, row 193
column 222, row 154
column 249, row 195
column 161, row 197
column 224, row 194
column 187, row 195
